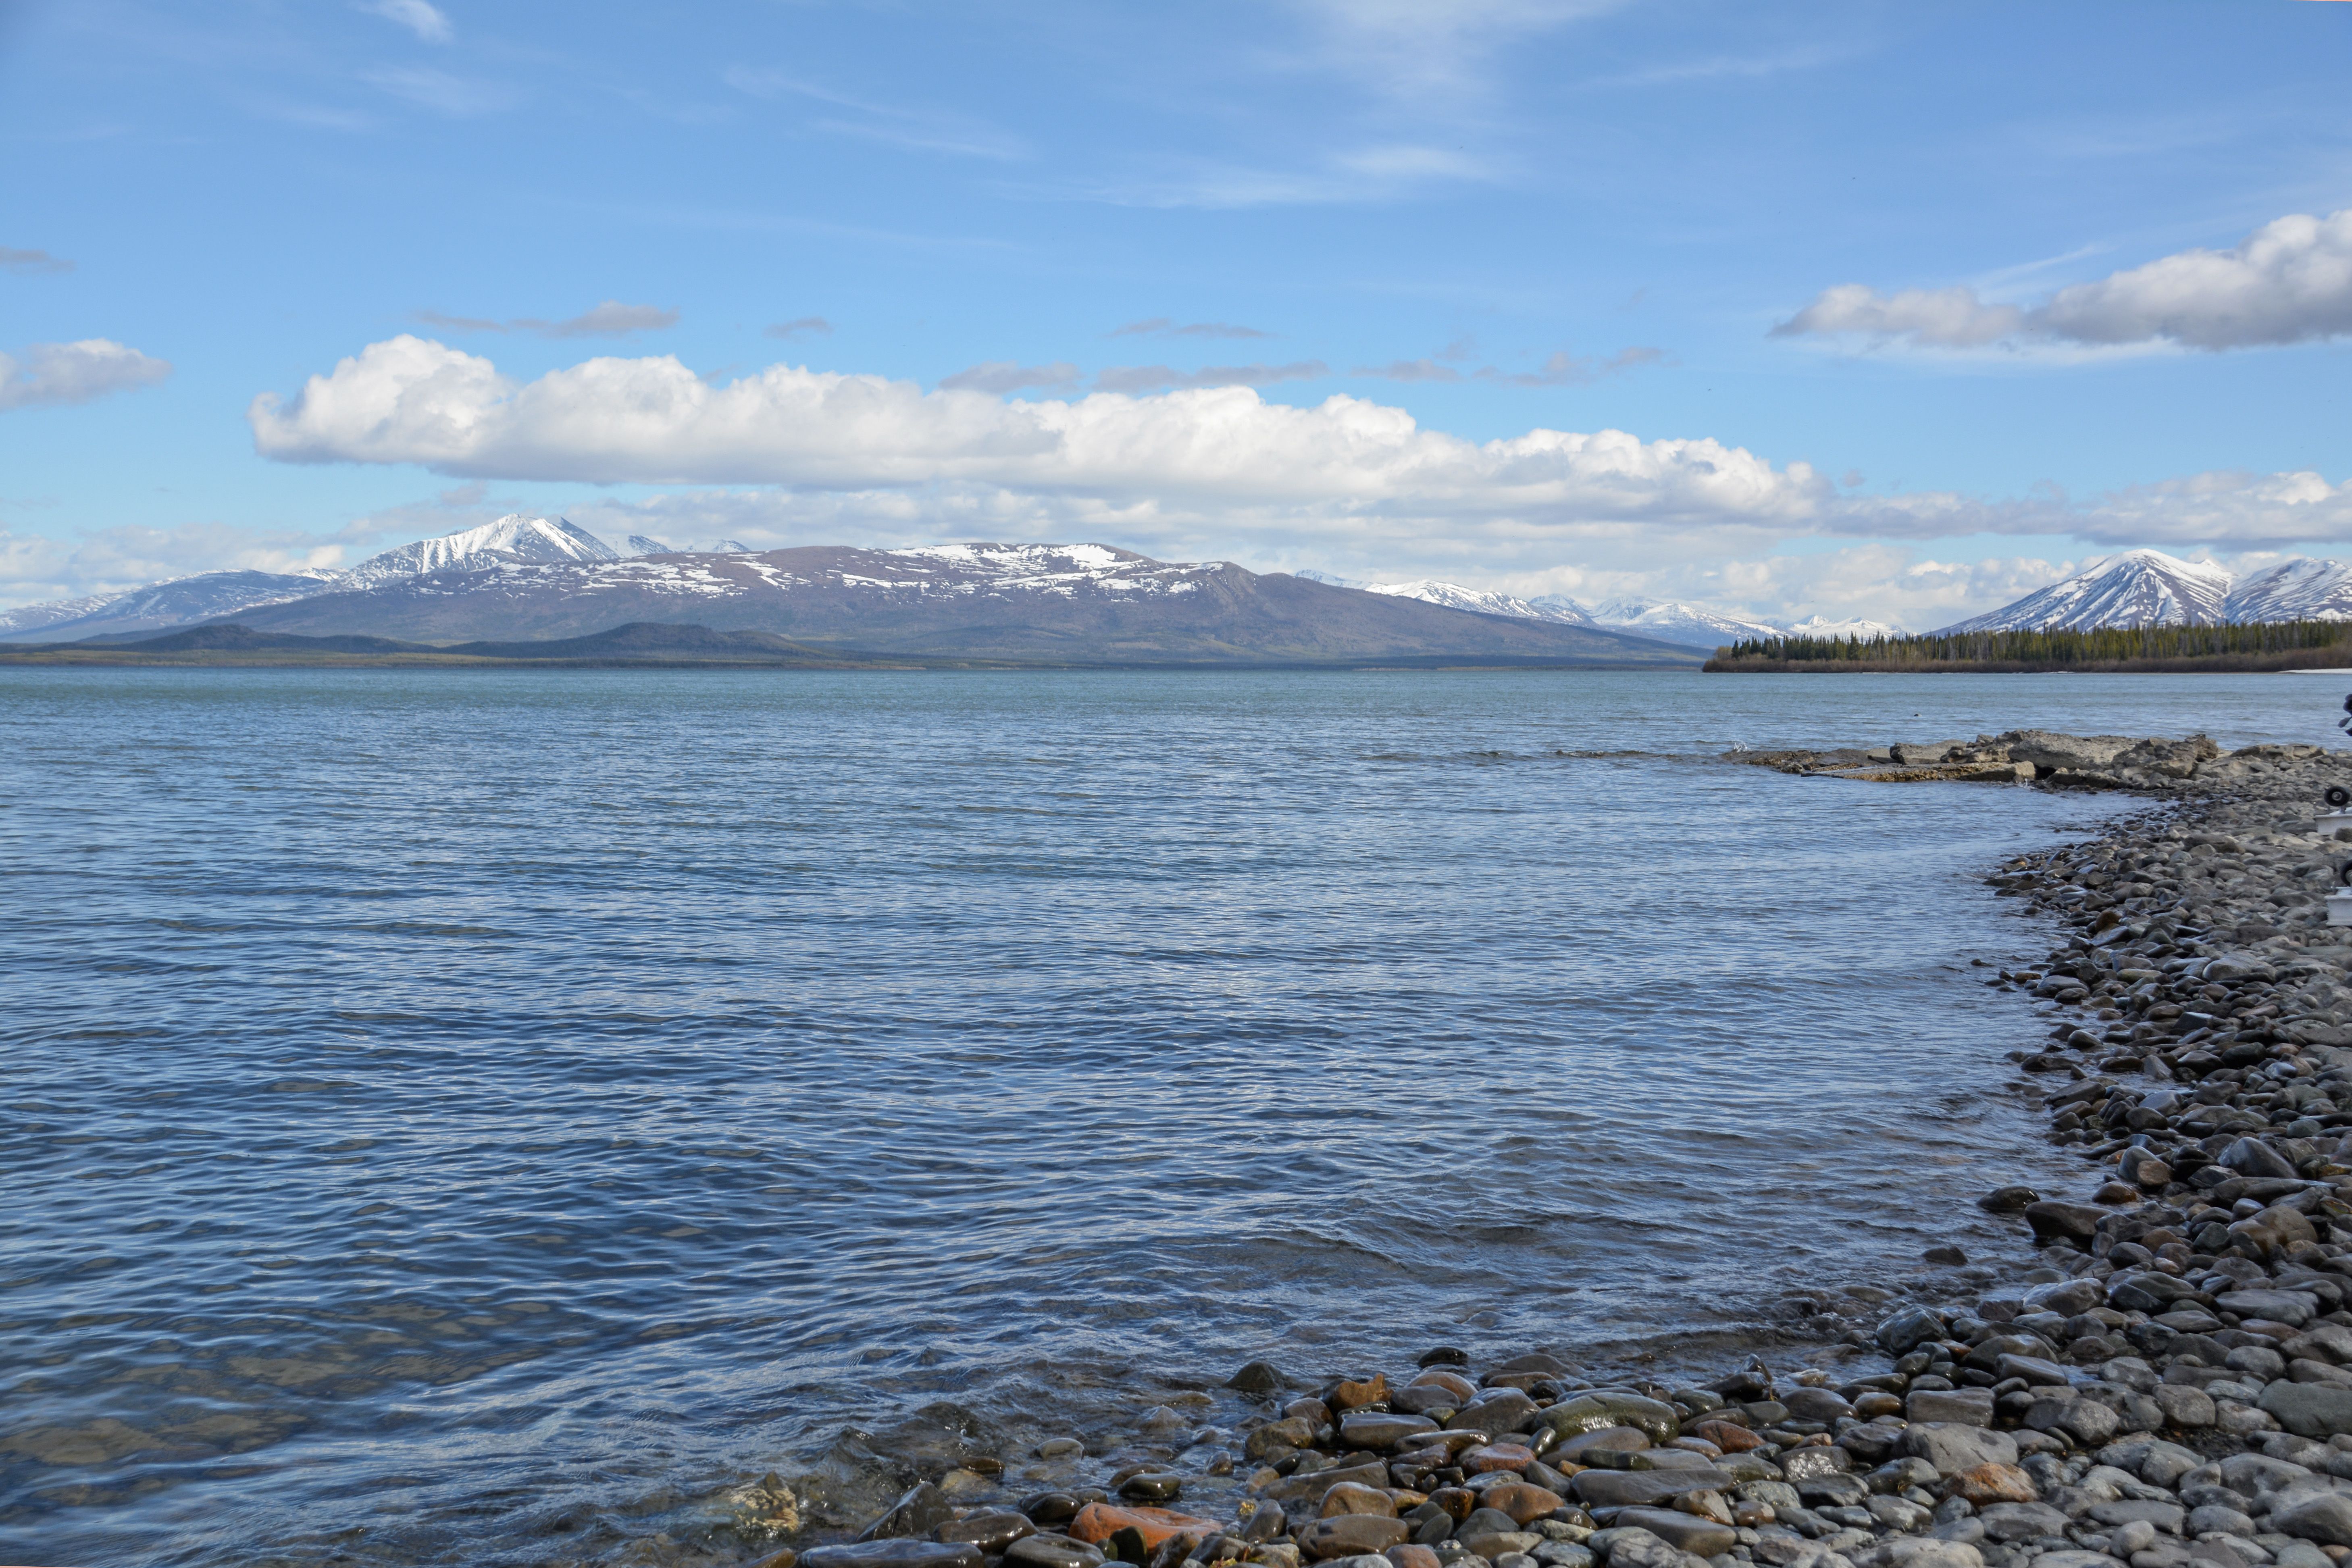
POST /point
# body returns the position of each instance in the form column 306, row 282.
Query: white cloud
column 420, row 19
column 34, row 568
column 53, row 374
column 1412, row 48
column 2290, row 281
column 925, row 129
column 1943, row 317
column 1204, row 451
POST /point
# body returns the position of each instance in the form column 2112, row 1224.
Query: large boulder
column 2325, row 1517
column 2317, row 1410
column 2048, row 750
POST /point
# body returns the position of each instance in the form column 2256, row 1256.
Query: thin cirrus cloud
column 426, row 21
column 610, row 319
column 454, row 97
column 1562, row 369
column 817, row 325
column 1153, row 378
column 2290, row 281
column 26, row 262
column 1345, row 467
column 50, row 374
column 1164, row 326
column 1001, row 376
column 913, row 130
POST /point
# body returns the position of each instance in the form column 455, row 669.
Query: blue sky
column 1899, row 309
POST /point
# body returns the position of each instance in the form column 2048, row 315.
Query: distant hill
column 1031, row 602
column 638, row 643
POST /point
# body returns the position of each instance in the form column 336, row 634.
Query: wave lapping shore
column 2170, row 1387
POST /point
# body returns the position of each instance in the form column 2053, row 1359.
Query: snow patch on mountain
column 517, row 538
column 1671, row 621
column 2298, row 589
column 2138, row 588
column 1479, row 600
column 1820, row 626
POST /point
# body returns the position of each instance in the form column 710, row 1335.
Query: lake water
column 494, row 1117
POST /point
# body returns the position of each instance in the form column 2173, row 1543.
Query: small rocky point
column 2170, row 1386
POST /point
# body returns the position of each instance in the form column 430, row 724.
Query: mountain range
column 2150, row 588
column 537, row 578
column 1668, row 621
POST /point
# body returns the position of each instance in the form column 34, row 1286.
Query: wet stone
column 1371, row 1430
column 1051, row 1551
column 895, row 1551
column 922, row 1510
column 1351, row 1535
column 1152, row 1486
column 1348, row 1497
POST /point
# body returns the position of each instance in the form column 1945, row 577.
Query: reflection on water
column 515, row 1112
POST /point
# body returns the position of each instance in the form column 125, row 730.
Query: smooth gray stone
column 2008, row 1521
column 1376, row 1430
column 1968, row 1407
column 1952, row 1448
column 1687, row 1530
column 2293, row 1308
column 2319, row 1410
column 2165, row 1516
column 1636, row 1489
column 1051, row 1551
column 2323, row 1517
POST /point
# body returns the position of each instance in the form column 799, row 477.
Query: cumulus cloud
column 1163, row 325
column 2290, row 281
column 1004, row 376
column 420, row 19
column 610, row 319
column 1204, row 451
column 793, row 328
column 23, row 262
column 54, row 374
column 1152, row 378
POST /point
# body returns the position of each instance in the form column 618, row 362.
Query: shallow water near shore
column 491, row 1115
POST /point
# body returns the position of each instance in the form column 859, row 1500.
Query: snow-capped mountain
column 2299, row 590
column 1563, row 608
column 1821, row 626
column 1076, row 603
column 1692, row 626
column 1482, row 601
column 643, row 544
column 2138, row 588
column 207, row 596
column 517, row 538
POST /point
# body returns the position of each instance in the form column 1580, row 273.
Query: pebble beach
column 2168, row 1382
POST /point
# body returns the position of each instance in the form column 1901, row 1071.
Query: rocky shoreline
column 2170, row 1386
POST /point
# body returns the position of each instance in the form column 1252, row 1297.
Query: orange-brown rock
column 1513, row 1457
column 1348, row 1497
column 1705, row 1505
column 1994, row 1483
column 1313, row 1410
column 1731, row 1440
column 1098, row 1521
column 1457, row 1501
column 1452, row 1381
column 1523, row 1501
column 1346, row 1396
column 1412, row 1557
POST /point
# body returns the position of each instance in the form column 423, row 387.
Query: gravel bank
column 2170, row 1386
